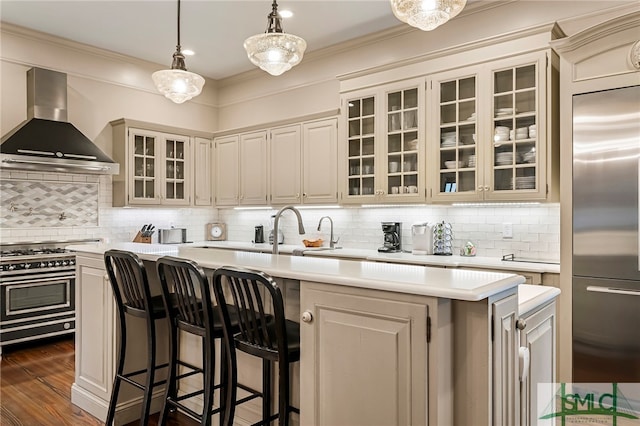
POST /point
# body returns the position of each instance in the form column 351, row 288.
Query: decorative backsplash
column 31, row 203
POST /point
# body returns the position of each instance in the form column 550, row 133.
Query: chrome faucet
column 332, row 242
column 275, row 225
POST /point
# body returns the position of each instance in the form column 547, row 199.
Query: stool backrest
column 129, row 282
column 262, row 325
column 185, row 288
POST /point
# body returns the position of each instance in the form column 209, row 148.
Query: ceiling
column 215, row 30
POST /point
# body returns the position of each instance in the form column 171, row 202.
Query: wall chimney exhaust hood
column 46, row 141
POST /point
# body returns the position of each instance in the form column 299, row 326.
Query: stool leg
column 266, row 389
column 208, row 361
column 117, row 380
column 151, row 372
column 283, row 396
column 170, row 389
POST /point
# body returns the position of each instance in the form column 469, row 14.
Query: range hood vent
column 46, row 141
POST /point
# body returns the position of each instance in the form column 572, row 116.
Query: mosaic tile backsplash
column 28, row 203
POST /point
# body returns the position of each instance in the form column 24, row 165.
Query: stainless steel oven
column 37, row 291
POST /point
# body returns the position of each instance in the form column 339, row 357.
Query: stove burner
column 32, row 252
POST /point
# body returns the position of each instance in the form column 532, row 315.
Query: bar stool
column 270, row 337
column 194, row 313
column 130, row 286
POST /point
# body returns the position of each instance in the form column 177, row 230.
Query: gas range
column 37, row 290
column 25, row 257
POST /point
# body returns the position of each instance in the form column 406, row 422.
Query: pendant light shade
column 177, row 83
column 274, row 51
column 426, row 14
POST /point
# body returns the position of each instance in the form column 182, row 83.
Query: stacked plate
column 472, row 117
column 472, row 161
column 503, row 112
column 504, row 158
column 448, row 139
column 525, row 182
column 522, row 133
column 501, row 134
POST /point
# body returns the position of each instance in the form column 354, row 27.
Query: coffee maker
column 392, row 237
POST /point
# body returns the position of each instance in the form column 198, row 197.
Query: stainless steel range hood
column 46, row 141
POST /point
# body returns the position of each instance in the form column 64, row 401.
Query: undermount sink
column 300, row 251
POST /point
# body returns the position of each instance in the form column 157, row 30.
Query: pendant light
column 274, row 51
column 177, row 83
column 426, row 14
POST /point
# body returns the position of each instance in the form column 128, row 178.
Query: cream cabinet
column 538, row 336
column 241, row 168
column 494, row 133
column 383, row 144
column 506, row 402
column 304, row 163
column 202, row 172
column 364, row 357
column 157, row 165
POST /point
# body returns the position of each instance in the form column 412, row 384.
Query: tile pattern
column 30, row 203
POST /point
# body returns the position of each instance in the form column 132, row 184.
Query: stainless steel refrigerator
column 606, row 267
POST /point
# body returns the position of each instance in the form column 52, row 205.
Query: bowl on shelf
column 452, row 164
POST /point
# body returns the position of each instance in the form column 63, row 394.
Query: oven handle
column 17, row 279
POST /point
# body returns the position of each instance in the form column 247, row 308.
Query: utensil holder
column 140, row 239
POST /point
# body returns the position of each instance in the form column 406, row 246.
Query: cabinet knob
column 307, row 317
column 486, row 188
column 480, row 188
column 304, row 195
column 521, row 324
column 297, row 195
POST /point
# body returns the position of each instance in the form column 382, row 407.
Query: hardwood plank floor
column 35, row 387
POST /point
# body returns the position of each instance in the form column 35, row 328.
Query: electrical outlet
column 507, row 230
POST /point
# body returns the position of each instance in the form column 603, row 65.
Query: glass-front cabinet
column 492, row 135
column 160, row 168
column 384, row 144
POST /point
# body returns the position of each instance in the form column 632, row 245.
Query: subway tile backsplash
column 536, row 227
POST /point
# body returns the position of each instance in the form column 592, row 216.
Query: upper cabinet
column 202, row 176
column 383, row 144
column 242, row 169
column 495, row 133
column 304, row 163
column 156, row 166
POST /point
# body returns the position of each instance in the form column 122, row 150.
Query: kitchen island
column 381, row 344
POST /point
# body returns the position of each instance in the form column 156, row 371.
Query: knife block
column 140, row 239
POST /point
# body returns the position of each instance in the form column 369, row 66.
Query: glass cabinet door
column 144, row 170
column 457, row 151
column 515, row 149
column 402, row 142
column 175, row 153
column 361, row 146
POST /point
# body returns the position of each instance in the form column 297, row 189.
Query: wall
column 536, row 227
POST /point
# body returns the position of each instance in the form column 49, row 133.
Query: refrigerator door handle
column 599, row 289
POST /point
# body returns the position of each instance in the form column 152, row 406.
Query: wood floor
column 35, row 387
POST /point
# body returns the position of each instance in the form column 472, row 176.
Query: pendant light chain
column 178, row 47
column 177, row 83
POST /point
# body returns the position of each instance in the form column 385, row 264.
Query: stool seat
column 293, row 342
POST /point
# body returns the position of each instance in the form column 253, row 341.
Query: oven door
column 37, row 294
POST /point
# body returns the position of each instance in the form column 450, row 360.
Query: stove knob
column 50, row 264
column 27, row 265
column 72, row 262
column 58, row 263
column 42, row 265
column 12, row 267
column 65, row 262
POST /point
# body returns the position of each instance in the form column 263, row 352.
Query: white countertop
column 532, row 296
column 373, row 255
column 412, row 279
